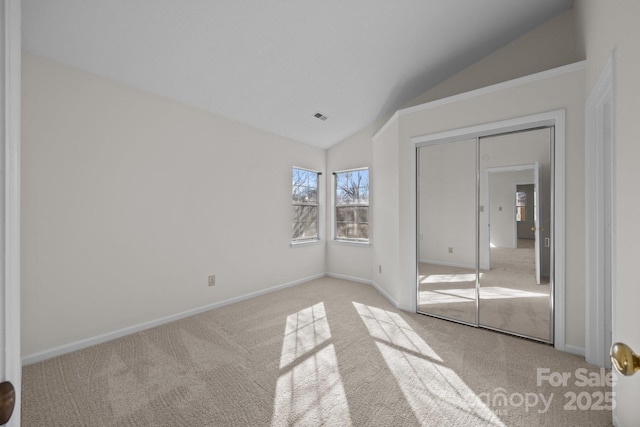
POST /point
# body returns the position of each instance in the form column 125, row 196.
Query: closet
column 485, row 231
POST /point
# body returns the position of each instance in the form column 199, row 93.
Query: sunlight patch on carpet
column 435, row 392
column 309, row 390
column 449, row 278
column 391, row 327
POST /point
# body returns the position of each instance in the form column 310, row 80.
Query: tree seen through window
column 352, row 205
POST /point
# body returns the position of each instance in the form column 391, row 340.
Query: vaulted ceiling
column 274, row 64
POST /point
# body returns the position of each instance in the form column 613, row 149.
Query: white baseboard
column 99, row 339
column 406, row 308
column 88, row 342
column 377, row 288
column 578, row 351
column 385, row 294
column 350, row 278
column 366, row 282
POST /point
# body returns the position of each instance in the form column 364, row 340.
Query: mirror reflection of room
column 447, row 230
column 515, row 239
column 485, row 232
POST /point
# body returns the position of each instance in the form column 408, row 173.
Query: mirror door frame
column 555, row 119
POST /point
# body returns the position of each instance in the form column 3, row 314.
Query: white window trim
column 308, row 242
column 348, row 242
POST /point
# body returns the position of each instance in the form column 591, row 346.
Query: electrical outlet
column 450, row 250
column 212, row 280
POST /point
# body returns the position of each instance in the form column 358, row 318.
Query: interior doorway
column 520, row 227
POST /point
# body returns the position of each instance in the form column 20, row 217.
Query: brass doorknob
column 7, row 401
column 624, row 359
column 539, row 228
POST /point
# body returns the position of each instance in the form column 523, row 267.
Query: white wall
column 347, row 259
column 447, row 203
column 605, row 26
column 130, row 200
column 384, row 192
column 502, row 206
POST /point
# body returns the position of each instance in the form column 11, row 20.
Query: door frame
column 600, row 292
column 555, row 119
column 535, row 167
column 11, row 365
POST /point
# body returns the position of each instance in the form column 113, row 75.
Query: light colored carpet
column 510, row 298
column 327, row 352
column 524, row 307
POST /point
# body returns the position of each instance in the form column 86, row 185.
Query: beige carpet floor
column 510, row 298
column 327, row 352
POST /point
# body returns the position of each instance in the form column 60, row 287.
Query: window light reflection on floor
column 445, row 296
column 449, row 278
column 309, row 390
column 435, row 393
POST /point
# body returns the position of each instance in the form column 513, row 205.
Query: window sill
column 303, row 243
column 352, row 242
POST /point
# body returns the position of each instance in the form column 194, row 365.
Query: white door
column 10, row 46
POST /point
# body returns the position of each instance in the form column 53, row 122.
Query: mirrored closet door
column 485, row 233
column 447, row 230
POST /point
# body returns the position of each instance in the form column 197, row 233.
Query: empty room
column 342, row 213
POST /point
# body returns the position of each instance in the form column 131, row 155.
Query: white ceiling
column 273, row 64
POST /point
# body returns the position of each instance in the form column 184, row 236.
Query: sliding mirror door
column 447, row 230
column 485, row 237
column 515, row 233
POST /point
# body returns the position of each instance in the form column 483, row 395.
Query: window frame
column 336, row 205
column 316, row 205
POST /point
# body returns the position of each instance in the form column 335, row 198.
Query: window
column 352, row 205
column 304, row 199
column 521, row 206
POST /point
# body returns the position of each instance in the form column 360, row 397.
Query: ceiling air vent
column 320, row 116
